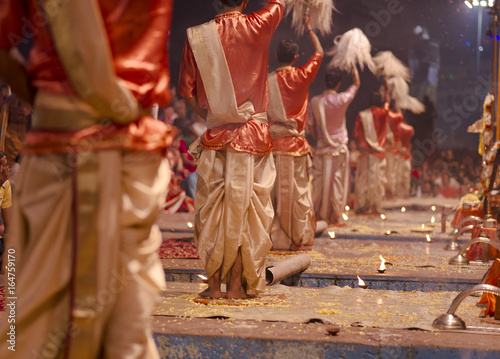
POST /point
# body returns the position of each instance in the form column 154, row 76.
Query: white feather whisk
column 400, row 92
column 351, row 48
column 388, row 65
column 319, row 10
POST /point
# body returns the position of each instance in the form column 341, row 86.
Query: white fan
column 388, row 65
column 351, row 48
column 319, row 10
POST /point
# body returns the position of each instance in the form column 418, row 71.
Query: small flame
column 433, row 208
column 382, row 264
column 331, row 234
column 403, row 209
column 433, row 219
column 203, row 278
column 423, row 226
column 190, row 225
column 361, row 282
column 428, row 238
column 383, row 216
column 345, row 216
column 347, row 208
column 388, row 232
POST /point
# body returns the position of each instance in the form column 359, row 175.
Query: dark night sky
column 449, row 22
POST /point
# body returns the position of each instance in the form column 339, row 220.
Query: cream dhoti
column 233, row 212
column 294, row 218
column 370, row 182
column 107, row 202
column 330, row 182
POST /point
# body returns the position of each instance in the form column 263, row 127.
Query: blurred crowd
column 448, row 174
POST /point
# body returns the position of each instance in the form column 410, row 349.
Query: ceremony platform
column 327, row 314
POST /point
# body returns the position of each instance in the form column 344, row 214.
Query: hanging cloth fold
column 282, row 126
column 214, row 71
column 369, row 129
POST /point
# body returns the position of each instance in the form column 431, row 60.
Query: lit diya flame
column 383, row 216
column 423, row 226
column 433, row 219
column 345, row 216
column 347, row 208
column 428, row 238
column 403, row 209
column 388, row 232
column 382, row 265
column 331, row 234
column 203, row 278
column 361, row 283
column 433, row 208
column 190, row 225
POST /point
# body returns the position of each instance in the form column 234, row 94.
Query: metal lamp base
column 452, row 246
column 449, row 322
column 459, row 260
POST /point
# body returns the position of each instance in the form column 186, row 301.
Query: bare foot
column 295, row 247
column 238, row 294
column 211, row 293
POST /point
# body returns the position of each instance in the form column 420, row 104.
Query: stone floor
column 392, row 318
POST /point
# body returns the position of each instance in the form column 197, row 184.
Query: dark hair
column 287, row 49
column 231, row 3
column 332, row 79
column 376, row 99
column 2, row 154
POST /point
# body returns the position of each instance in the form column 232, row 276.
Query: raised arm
column 355, row 78
column 318, row 49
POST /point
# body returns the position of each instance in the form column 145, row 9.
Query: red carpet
column 178, row 248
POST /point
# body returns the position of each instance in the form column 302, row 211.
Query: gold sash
column 282, row 126
column 369, row 128
column 82, row 44
column 214, row 71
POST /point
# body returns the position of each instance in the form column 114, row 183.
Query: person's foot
column 211, row 293
column 295, row 247
column 238, row 294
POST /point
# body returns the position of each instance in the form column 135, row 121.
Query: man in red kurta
column 371, row 133
column 403, row 178
column 394, row 118
column 93, row 179
column 224, row 79
column 294, row 221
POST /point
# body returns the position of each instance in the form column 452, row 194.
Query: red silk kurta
column 380, row 124
column 143, row 67
column 245, row 40
column 138, row 36
column 294, row 84
column 394, row 119
column 406, row 132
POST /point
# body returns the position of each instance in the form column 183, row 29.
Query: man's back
column 139, row 55
column 245, row 40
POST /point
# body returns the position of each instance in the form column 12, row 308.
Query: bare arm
column 355, row 78
column 387, row 95
column 318, row 49
column 193, row 103
column 16, row 76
